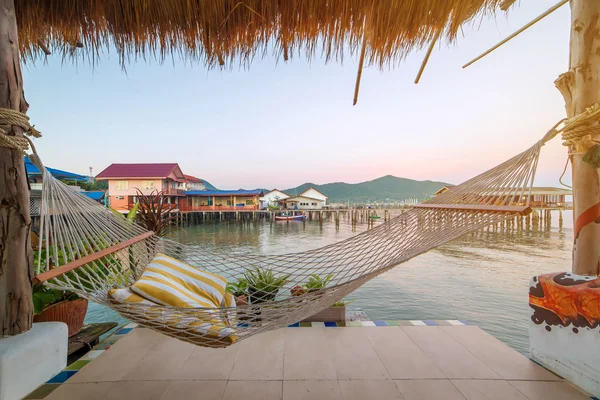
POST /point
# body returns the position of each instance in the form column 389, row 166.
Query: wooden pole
column 521, row 30
column 580, row 87
column 16, row 258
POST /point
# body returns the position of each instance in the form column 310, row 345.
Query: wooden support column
column 16, row 260
column 580, row 87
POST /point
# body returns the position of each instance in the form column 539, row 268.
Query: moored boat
column 286, row 217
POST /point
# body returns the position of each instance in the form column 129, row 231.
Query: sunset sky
column 281, row 124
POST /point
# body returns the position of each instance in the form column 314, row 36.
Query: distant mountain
column 387, row 188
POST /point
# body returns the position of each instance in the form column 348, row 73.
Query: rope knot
column 578, row 127
column 16, row 118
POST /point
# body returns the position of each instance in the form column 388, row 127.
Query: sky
column 280, row 124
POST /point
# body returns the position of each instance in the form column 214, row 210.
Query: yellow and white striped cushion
column 171, row 282
column 125, row 295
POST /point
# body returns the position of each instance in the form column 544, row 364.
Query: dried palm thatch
column 220, row 32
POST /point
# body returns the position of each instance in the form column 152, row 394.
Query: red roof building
column 125, row 181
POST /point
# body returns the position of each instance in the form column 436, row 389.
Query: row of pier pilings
column 537, row 220
column 350, row 216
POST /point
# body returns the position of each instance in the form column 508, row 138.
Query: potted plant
column 335, row 312
column 263, row 284
column 238, row 290
column 58, row 305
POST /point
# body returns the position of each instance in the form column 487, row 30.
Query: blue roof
column 33, row 170
column 94, row 195
column 224, row 192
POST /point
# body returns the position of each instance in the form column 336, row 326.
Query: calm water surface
column 482, row 278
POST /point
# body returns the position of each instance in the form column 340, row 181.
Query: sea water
column 482, row 278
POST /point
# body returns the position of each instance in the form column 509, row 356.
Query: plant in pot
column 53, row 305
column 263, row 284
column 239, row 290
column 335, row 312
column 58, row 305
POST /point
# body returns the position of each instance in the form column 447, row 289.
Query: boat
column 285, row 217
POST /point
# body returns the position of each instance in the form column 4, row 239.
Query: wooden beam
column 580, row 87
column 16, row 256
column 521, row 210
column 426, row 59
column 512, row 36
column 56, row 272
column 361, row 63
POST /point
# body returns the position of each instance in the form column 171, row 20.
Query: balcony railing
column 186, row 207
column 169, row 191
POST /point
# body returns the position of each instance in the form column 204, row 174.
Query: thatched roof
column 226, row 31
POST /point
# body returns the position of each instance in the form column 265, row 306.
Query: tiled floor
column 348, row 363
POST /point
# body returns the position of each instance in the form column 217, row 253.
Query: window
column 228, row 202
column 119, row 197
column 121, row 185
column 314, row 204
column 249, row 202
column 147, row 185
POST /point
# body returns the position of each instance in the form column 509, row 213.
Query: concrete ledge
column 31, row 358
column 564, row 330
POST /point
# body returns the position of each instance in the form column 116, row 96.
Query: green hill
column 387, row 188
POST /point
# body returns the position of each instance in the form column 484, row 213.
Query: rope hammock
column 87, row 249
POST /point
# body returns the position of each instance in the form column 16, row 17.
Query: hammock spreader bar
column 517, row 210
column 56, row 272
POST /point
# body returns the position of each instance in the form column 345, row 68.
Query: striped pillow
column 171, row 282
column 125, row 295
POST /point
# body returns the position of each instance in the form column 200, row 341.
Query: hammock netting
column 73, row 227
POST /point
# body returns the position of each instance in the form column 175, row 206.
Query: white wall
column 315, row 194
column 305, row 203
column 270, row 198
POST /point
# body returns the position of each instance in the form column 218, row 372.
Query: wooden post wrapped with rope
column 16, row 263
column 580, row 87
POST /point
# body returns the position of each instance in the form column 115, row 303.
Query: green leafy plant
column 315, row 282
column 341, row 303
column 44, row 296
column 238, row 288
column 154, row 213
column 263, row 284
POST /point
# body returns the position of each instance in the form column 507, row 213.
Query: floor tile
column 137, row 390
column 255, row 390
column 195, row 390
column 206, row 364
column 161, row 361
column 487, row 389
column 548, row 390
column 311, row 389
column 369, row 389
column 307, row 355
column 353, row 355
column 426, row 389
column 260, row 357
column 90, row 355
column 114, row 364
column 77, row 365
column 418, row 323
column 508, row 363
column 62, row 377
column 449, row 356
column 41, row 392
column 78, row 391
column 402, row 358
column 392, row 323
